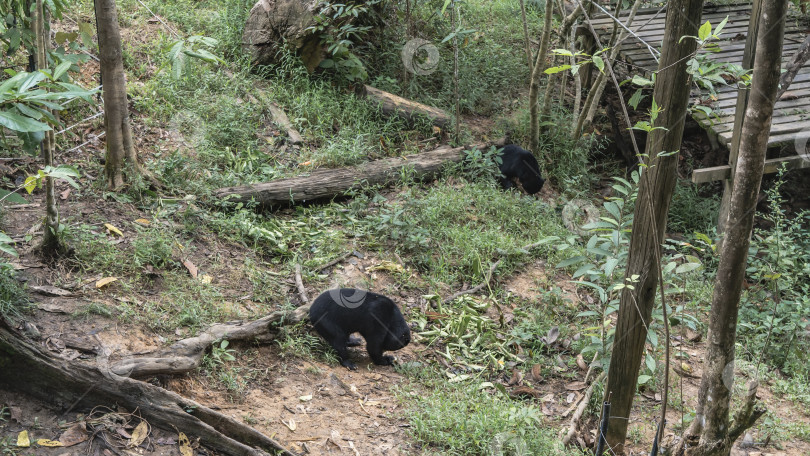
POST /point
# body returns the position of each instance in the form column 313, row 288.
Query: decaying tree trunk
column 652, row 204
column 328, row 183
column 185, row 355
column 80, row 385
column 714, row 396
column 273, row 24
column 393, row 105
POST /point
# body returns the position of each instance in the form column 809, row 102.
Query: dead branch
column 796, row 63
column 586, row 398
column 299, row 282
column 185, row 355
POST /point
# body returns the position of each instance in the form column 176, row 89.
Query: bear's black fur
column 518, row 163
column 338, row 313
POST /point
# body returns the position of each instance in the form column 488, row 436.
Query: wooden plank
column 772, row 165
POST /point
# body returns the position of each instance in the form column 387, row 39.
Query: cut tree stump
column 409, row 110
column 328, row 183
column 77, row 384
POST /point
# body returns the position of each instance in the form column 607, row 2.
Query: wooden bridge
column 791, row 120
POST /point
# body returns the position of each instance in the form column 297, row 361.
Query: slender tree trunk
column 595, row 94
column 654, row 196
column 534, row 86
column 457, row 131
column 116, row 113
column 526, row 34
column 51, row 244
column 718, row 375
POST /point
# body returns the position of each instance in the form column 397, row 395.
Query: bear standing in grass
column 338, row 313
column 518, row 163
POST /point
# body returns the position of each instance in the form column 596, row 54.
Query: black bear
column 518, row 163
column 338, row 313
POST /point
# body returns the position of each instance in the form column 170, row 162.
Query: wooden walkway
column 792, row 113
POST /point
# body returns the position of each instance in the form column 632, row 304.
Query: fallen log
column 185, row 355
column 77, row 384
column 393, row 105
column 328, row 183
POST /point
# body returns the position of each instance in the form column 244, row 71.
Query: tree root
column 71, row 384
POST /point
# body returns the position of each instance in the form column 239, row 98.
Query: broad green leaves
column 197, row 47
column 581, row 59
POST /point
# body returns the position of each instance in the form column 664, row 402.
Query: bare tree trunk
column 718, row 375
column 654, row 196
column 534, row 86
column 456, row 131
column 526, row 34
column 116, row 113
column 51, row 244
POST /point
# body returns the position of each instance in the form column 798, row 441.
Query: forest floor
column 412, row 242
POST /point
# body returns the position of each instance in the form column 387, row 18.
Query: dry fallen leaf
column 576, row 386
column 113, row 230
column 74, row 434
column 105, row 281
column 291, row 425
column 22, row 439
column 185, row 445
column 143, row 221
column 64, row 195
column 581, row 362
column 139, row 434
column 49, row 443
column 49, row 290
column 205, row 278
column 306, row 398
column 537, row 373
column 191, row 268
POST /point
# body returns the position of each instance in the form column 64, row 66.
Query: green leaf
column 11, row 197
column 570, row 261
column 28, row 111
column 556, row 69
column 9, row 83
column 7, row 248
column 32, row 80
column 327, row 63
column 13, row 36
column 686, row 267
column 640, row 81
column 704, row 31
column 720, row 26
column 16, row 122
column 636, row 98
column 599, row 63
column 565, row 52
column 642, row 379
column 61, row 69
column 31, row 183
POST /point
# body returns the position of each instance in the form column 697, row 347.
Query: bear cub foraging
column 338, row 313
column 518, row 163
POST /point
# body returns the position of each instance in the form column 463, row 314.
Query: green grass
column 462, row 419
column 453, row 230
column 13, row 298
